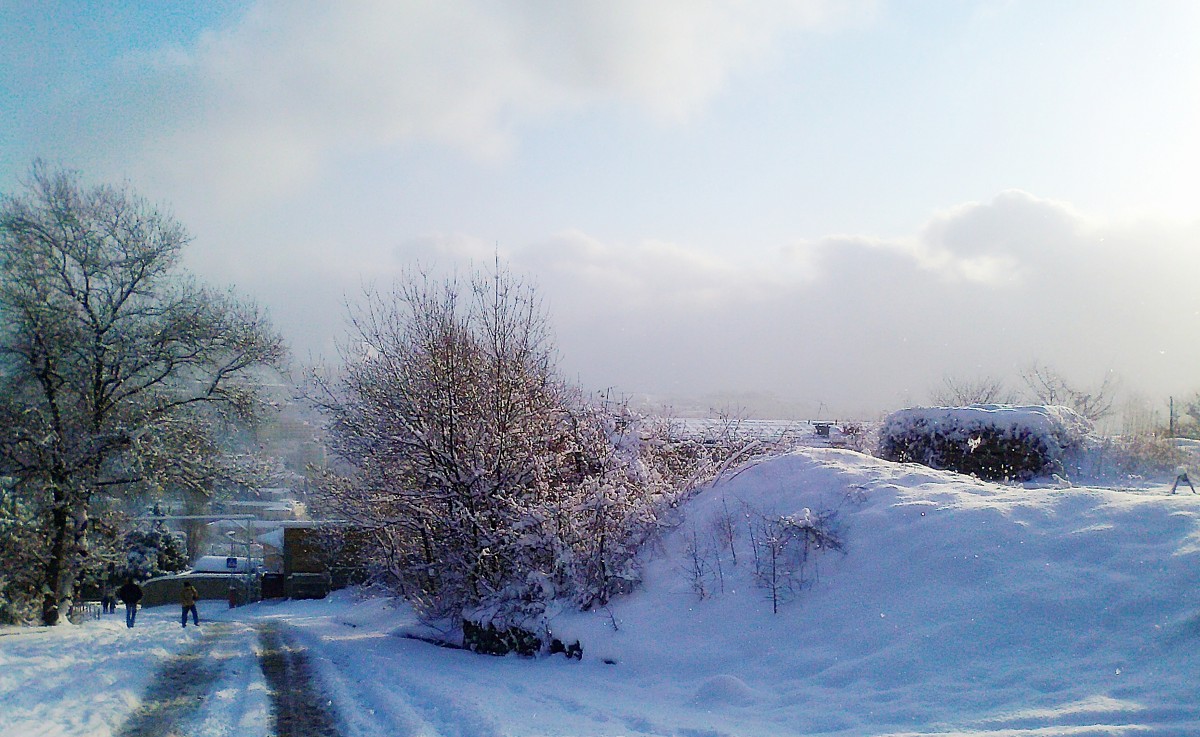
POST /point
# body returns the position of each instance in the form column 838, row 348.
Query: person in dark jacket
column 108, row 602
column 1181, row 477
column 131, row 594
column 187, row 598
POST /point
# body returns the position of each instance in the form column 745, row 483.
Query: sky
column 800, row 206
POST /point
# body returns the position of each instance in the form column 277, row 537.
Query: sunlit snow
column 957, row 608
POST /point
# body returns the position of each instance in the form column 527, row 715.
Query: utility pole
column 1171, row 423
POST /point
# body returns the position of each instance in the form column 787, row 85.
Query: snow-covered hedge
column 991, row 441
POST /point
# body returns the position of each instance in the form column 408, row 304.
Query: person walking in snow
column 131, row 594
column 108, row 602
column 187, row 598
column 1182, row 476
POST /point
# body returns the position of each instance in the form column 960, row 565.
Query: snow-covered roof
column 274, row 538
column 221, row 564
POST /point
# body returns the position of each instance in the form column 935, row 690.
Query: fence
column 84, row 610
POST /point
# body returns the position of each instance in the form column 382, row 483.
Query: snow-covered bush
column 994, row 442
column 20, row 541
column 489, row 485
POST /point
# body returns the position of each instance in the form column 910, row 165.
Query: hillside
column 955, row 603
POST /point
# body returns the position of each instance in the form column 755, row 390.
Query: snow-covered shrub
column 994, row 442
column 489, row 485
column 151, row 553
column 155, row 552
column 488, row 639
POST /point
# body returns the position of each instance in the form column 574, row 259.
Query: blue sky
column 839, row 203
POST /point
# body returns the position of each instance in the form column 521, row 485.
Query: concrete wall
column 166, row 590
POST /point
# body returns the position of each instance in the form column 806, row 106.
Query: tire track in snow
column 179, row 689
column 299, row 707
column 404, row 708
column 214, row 688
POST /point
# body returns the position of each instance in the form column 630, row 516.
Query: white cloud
column 650, row 276
column 1014, row 224
column 981, row 289
column 263, row 103
column 857, row 323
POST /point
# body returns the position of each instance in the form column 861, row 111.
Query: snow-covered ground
column 957, row 608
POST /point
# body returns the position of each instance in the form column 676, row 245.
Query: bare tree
column 115, row 366
column 485, row 479
column 783, row 545
column 961, row 392
column 724, row 529
column 696, row 562
column 1048, row 386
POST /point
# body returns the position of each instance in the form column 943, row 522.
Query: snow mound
column 953, row 596
column 725, row 690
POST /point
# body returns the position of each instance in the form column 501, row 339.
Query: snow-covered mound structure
column 991, row 441
column 955, row 602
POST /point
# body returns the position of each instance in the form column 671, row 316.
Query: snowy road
column 215, row 686
column 247, row 677
column 212, row 687
column 156, row 679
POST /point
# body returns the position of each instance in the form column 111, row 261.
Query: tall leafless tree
column 1048, row 386
column 115, row 366
column 485, row 478
column 961, row 392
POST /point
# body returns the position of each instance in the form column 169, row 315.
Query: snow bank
column 957, row 603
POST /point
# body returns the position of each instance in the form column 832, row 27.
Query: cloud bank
column 855, row 323
column 315, row 147
column 258, row 108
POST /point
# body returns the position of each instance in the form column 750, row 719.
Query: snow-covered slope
column 954, row 599
column 955, row 602
column 957, row 608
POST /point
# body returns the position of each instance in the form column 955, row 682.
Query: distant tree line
column 1042, row 385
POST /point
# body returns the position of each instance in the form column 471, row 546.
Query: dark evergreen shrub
column 992, row 442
